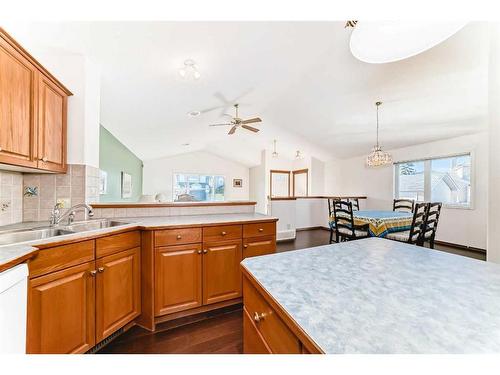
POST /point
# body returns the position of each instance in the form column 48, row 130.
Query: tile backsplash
column 78, row 185
column 11, row 197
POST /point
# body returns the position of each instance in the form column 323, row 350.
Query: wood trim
column 172, row 204
column 318, row 197
column 304, row 338
column 277, row 171
column 14, row 262
column 147, row 318
column 460, row 247
column 9, row 39
column 300, row 171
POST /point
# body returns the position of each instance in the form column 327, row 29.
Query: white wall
column 459, row 226
column 493, row 253
column 158, row 173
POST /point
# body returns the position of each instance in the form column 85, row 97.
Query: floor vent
column 105, row 342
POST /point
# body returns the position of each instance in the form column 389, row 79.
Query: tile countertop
column 381, row 296
column 11, row 255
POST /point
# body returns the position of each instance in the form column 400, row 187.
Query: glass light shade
column 389, row 41
column 378, row 158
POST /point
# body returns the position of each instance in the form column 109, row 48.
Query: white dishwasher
column 13, row 304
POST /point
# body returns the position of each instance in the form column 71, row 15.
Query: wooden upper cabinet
column 18, row 82
column 61, row 311
column 33, row 111
column 221, row 272
column 52, row 105
column 118, row 291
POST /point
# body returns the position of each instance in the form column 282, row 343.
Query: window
column 446, row 180
column 198, row 187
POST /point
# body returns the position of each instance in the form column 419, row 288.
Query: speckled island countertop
column 381, row 296
column 11, row 255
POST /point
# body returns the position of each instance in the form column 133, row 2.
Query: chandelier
column 378, row 157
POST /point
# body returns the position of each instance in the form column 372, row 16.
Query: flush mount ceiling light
column 189, row 70
column 194, row 113
column 378, row 157
column 389, row 41
column 275, row 153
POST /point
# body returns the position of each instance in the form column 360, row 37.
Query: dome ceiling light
column 388, row 41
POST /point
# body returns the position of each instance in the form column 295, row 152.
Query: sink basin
column 30, row 235
column 83, row 226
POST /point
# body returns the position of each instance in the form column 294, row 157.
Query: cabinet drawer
column 259, row 246
column 222, row 233
column 179, row 236
column 259, row 229
column 116, row 243
column 253, row 343
column 61, row 257
column 276, row 334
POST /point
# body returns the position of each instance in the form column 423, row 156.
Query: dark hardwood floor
column 221, row 331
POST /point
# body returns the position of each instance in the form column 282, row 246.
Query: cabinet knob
column 223, row 233
column 93, row 273
column 100, row 269
column 261, row 229
column 179, row 236
column 44, row 159
column 199, row 251
column 245, row 245
column 0, row 149
column 205, row 251
column 257, row 318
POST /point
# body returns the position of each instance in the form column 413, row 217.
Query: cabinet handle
column 261, row 229
column 100, row 269
column 223, row 233
column 205, row 251
column 245, row 245
column 199, row 251
column 93, row 273
column 257, row 318
column 179, row 236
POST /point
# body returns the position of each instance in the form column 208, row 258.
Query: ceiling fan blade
column 233, row 129
column 220, row 124
column 251, row 120
column 251, row 128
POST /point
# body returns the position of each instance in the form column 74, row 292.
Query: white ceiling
column 299, row 77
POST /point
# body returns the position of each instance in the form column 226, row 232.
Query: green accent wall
column 114, row 158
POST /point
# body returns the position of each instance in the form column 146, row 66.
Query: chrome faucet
column 56, row 217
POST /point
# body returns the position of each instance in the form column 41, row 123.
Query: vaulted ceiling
column 299, row 77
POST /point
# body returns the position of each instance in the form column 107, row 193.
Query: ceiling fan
column 236, row 122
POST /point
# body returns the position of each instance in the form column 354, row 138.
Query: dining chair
column 345, row 228
column 431, row 222
column 404, row 205
column 355, row 203
column 415, row 234
column 331, row 217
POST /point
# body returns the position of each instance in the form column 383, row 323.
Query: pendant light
column 275, row 153
column 378, row 157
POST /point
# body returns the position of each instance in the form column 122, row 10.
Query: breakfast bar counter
column 371, row 296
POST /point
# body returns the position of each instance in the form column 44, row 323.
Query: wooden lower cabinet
column 221, row 273
column 253, row 342
column 118, row 291
column 178, row 281
column 61, row 313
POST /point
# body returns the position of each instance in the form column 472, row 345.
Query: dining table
column 381, row 222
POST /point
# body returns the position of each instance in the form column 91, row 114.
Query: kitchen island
column 370, row 296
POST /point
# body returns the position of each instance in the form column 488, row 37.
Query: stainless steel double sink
column 11, row 237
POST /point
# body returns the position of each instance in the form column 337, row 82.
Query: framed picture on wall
column 126, row 185
column 237, row 182
column 103, row 182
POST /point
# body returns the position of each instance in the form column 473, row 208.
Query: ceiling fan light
column 298, row 155
column 182, row 73
column 196, row 74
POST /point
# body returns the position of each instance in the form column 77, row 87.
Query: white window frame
column 198, row 174
column 427, row 178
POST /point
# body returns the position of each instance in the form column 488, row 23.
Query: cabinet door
column 61, row 311
column 18, row 82
column 221, row 271
column 177, row 278
column 52, row 106
column 253, row 342
column 118, row 291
